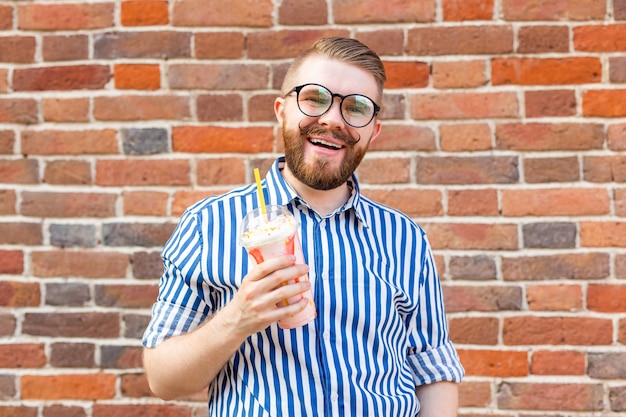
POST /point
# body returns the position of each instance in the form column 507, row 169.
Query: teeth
column 324, row 143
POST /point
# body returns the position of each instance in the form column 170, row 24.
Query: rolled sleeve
column 438, row 364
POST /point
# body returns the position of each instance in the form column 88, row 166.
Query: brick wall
column 503, row 136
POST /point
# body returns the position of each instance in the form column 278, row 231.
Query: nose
column 333, row 118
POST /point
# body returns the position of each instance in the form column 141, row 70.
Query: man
column 379, row 345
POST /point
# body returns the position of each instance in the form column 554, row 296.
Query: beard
column 319, row 174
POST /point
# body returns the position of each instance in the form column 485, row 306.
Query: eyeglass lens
column 315, row 100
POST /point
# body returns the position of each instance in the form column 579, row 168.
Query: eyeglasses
column 314, row 100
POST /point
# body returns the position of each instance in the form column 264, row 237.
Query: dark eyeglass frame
column 299, row 88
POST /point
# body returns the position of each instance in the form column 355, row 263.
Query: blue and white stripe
column 381, row 328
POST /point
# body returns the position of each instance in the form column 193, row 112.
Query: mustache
column 315, row 129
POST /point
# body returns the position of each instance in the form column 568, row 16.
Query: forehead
column 338, row 76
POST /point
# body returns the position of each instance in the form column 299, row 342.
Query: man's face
column 322, row 152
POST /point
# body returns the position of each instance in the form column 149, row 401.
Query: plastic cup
column 275, row 233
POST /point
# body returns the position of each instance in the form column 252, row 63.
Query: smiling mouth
column 324, row 144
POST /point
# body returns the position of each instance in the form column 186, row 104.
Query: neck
column 322, row 201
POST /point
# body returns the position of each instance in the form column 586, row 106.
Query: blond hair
column 346, row 50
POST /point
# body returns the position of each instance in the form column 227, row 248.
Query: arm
column 185, row 364
column 439, row 399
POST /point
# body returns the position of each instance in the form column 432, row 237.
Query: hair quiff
column 346, row 50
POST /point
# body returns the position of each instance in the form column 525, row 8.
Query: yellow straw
column 259, row 190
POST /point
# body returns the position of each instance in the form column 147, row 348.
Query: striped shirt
column 381, row 328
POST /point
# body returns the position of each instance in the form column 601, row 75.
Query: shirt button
column 334, row 396
column 326, row 335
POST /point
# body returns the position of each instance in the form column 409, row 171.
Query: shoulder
column 375, row 212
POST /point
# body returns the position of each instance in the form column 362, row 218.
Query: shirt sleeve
column 432, row 356
column 182, row 303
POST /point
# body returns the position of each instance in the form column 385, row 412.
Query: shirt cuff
column 437, row 364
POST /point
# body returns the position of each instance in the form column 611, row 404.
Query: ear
column 279, row 109
column 377, row 126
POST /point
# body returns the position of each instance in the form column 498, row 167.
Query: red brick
column 67, row 204
column 604, row 103
column 530, row 330
column 464, row 105
column 8, row 199
column 586, row 266
column 78, row 386
column 6, row 17
column 555, row 202
column 558, row 362
column 67, row 172
column 145, row 203
column 285, row 43
column 474, row 330
column 553, row 10
column 617, row 69
column 4, row 80
column 474, row 394
column 619, row 9
column 18, row 411
column 66, row 110
column 404, row 138
column 219, row 45
column 59, row 410
column 49, row 264
column 620, row 202
column 550, row 396
column 158, row 44
column 389, row 42
column 21, row 233
column 557, row 297
column 17, row 49
column 20, row 171
column 18, row 110
column 141, row 410
column 602, row 234
column 494, row 363
column 600, row 38
column 221, row 107
column 79, row 325
column 545, row 71
column 472, row 236
column 22, row 355
column 7, row 142
column 65, row 48
column 134, row 107
column 12, row 262
column 126, row 296
column 462, row 10
column 606, row 298
column 220, row 171
column 74, row 16
column 482, row 298
column 72, row 355
column 483, row 202
column 542, row 39
column 605, row 168
column 549, row 136
column 407, row 74
column 78, row 77
column 137, row 76
column 466, row 170
column 144, row 13
column 459, row 74
column 143, row 172
column 616, row 135
column 414, row 202
column 261, row 108
column 465, row 137
column 546, row 170
column 391, row 11
column 550, row 103
column 621, row 337
column 69, row 142
column 135, row 386
column 385, row 170
column 251, row 13
column 210, row 139
column 460, row 40
column 296, row 12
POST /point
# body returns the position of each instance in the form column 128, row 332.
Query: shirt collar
column 279, row 192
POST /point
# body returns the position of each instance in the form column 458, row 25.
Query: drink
column 272, row 234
